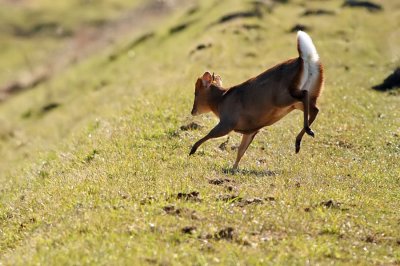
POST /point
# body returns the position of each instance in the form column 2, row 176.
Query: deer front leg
column 222, row 129
column 246, row 140
column 313, row 114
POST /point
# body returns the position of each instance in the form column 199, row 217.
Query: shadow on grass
column 254, row 172
column 391, row 82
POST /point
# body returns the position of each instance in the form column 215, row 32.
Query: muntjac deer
column 263, row 100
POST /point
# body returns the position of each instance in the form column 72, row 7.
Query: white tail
column 310, row 57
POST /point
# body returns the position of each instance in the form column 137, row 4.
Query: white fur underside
column 310, row 57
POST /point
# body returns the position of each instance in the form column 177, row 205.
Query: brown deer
column 263, row 100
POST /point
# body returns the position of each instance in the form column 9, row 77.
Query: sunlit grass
column 96, row 180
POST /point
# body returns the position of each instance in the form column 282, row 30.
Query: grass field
column 103, row 177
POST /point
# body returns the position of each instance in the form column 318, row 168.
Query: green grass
column 89, row 182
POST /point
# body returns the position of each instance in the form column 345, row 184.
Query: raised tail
column 312, row 67
column 306, row 47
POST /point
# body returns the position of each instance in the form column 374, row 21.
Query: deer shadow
column 253, row 172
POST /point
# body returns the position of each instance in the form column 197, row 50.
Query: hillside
column 94, row 162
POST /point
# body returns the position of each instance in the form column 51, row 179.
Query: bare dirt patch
column 49, row 107
column 229, row 198
column 328, row 204
column 318, row 12
column 201, row 46
column 189, row 229
column 148, row 200
column 191, row 126
column 331, row 204
column 298, row 27
column 370, row 6
column 225, row 233
column 182, row 212
column 223, row 145
column 250, row 201
column 192, row 196
column 243, row 14
column 180, row 27
column 243, row 202
column 219, row 181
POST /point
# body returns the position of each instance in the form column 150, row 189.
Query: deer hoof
column 193, row 150
column 310, row 132
column 297, row 148
column 297, row 145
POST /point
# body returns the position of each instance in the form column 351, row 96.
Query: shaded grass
column 118, row 156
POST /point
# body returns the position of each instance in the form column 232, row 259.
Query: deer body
column 263, row 100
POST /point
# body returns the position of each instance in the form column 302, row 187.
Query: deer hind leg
column 306, row 103
column 246, row 140
column 219, row 130
column 313, row 111
column 303, row 96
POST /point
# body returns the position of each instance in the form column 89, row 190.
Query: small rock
column 152, row 226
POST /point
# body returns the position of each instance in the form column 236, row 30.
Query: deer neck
column 215, row 98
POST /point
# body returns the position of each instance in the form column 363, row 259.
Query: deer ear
column 217, row 79
column 207, row 79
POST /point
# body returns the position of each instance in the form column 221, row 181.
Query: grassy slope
column 32, row 30
column 118, row 157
